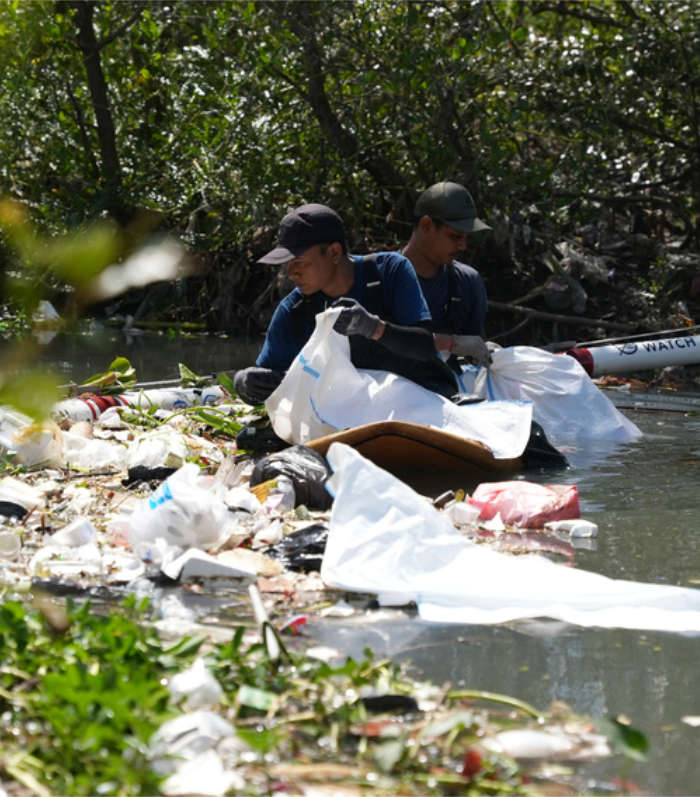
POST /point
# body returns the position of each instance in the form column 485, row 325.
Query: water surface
column 644, row 498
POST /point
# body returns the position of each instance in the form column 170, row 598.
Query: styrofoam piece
column 17, row 492
column 61, row 562
column 79, row 532
column 195, row 563
column 462, row 514
column 574, row 528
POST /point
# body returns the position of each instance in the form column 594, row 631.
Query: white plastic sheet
column 384, row 538
column 323, row 392
column 566, row 402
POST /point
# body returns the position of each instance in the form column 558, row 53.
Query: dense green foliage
column 220, row 116
column 80, row 705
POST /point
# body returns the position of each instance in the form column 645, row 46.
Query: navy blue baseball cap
column 303, row 228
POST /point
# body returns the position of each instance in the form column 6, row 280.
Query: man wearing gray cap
column 384, row 312
column 444, row 216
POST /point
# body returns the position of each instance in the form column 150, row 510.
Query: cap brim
column 467, row 225
column 278, row 255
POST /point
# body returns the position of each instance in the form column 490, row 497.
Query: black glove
column 354, row 319
column 254, row 385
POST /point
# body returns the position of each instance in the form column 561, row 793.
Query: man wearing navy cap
column 384, row 312
column 444, row 217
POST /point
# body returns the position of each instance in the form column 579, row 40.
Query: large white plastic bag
column 566, row 402
column 323, row 392
column 371, row 511
column 384, row 538
column 292, row 407
column 181, row 511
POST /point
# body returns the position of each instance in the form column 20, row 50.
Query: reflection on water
column 645, row 499
column 154, row 356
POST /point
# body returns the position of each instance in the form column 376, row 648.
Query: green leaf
column 623, row 738
column 188, row 378
column 226, row 382
column 262, row 741
column 33, row 392
column 119, row 376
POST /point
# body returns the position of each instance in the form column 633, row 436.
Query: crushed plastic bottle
column 10, row 545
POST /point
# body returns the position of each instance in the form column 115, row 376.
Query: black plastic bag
column 306, row 469
column 540, row 453
column 303, row 549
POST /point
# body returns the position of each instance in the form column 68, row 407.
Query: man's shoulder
column 464, row 269
column 290, row 300
column 392, row 261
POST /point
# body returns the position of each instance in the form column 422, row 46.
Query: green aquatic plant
column 81, row 694
column 119, row 376
column 82, row 691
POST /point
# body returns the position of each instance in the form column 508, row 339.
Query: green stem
column 494, row 697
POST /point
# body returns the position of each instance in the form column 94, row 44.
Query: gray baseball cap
column 303, row 228
column 452, row 204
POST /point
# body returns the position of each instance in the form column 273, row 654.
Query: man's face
column 313, row 269
column 444, row 243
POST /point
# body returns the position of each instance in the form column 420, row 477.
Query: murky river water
column 645, row 499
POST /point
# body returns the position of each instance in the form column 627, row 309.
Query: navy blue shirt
column 468, row 313
column 401, row 292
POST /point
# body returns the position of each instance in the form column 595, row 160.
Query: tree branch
column 573, row 10
column 115, row 34
column 578, row 320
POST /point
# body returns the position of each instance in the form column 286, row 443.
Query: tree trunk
column 90, row 48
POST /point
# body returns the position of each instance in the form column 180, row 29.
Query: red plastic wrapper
column 526, row 504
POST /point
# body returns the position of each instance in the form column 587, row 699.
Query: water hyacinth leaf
column 33, row 392
column 157, row 262
column 625, row 739
column 262, row 741
column 189, row 378
column 119, row 375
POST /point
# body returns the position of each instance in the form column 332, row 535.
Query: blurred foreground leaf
column 33, row 392
column 78, row 258
column 153, row 263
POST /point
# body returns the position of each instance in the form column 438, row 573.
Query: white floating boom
column 640, row 355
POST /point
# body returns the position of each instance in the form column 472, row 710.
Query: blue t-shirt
column 469, row 308
column 401, row 292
